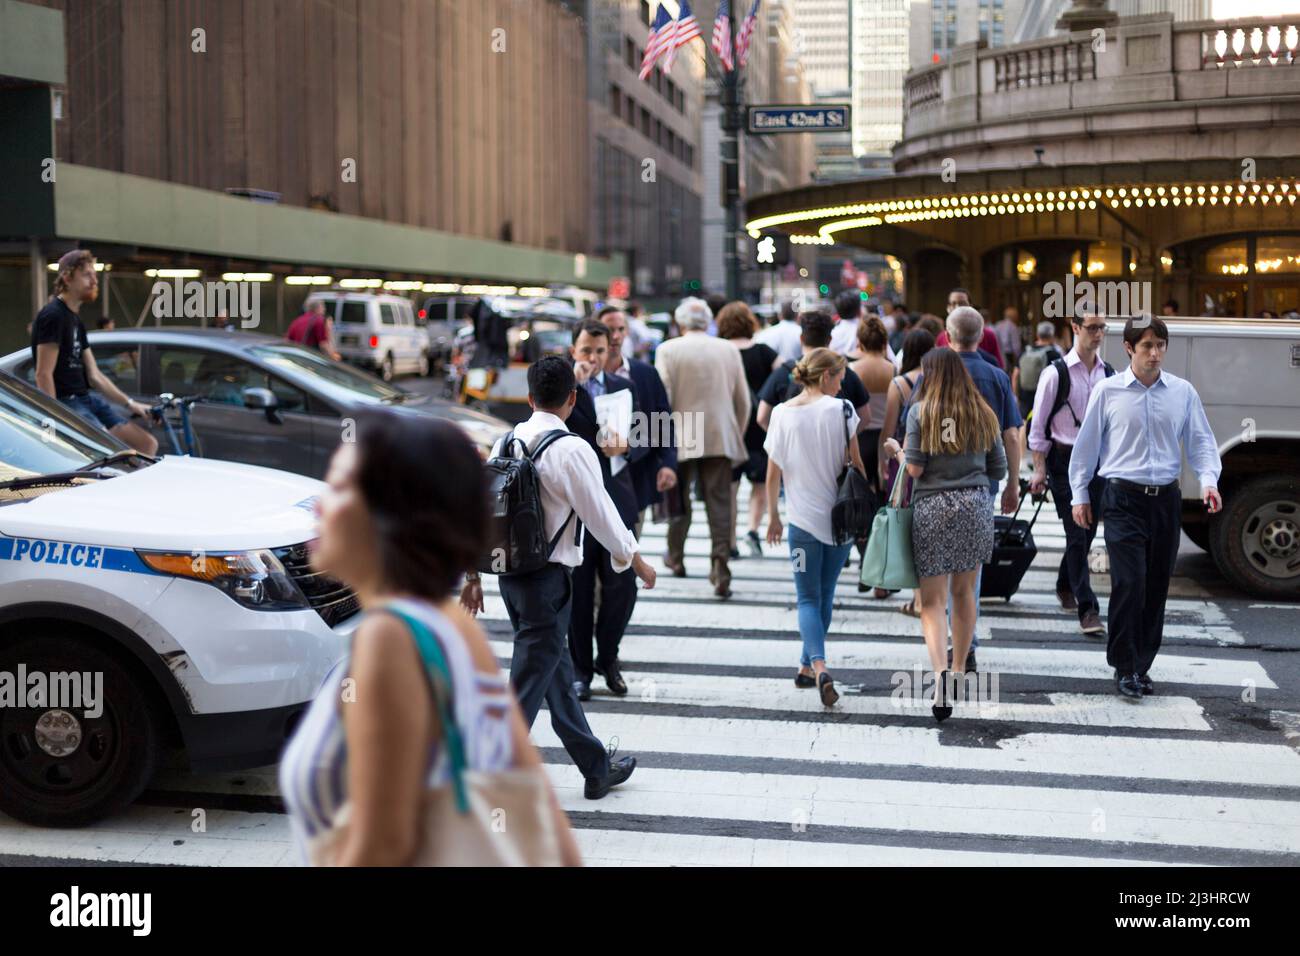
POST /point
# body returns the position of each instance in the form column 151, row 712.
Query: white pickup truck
column 1247, row 372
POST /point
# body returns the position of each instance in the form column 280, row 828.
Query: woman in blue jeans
column 806, row 449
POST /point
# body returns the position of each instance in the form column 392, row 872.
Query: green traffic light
column 824, row 289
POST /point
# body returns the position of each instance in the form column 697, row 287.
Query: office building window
column 615, row 100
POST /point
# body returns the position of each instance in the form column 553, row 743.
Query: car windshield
column 339, row 381
column 38, row 436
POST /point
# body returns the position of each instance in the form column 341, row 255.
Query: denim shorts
column 95, row 409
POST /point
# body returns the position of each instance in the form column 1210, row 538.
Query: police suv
column 179, row 586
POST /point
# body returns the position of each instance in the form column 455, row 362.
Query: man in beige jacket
column 706, row 386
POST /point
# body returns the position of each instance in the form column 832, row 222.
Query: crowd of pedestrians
column 939, row 415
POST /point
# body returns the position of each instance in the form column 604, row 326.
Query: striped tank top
column 313, row 772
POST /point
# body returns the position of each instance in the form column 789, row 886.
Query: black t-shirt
column 57, row 323
column 780, row 385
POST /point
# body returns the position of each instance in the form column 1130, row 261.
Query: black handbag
column 855, row 501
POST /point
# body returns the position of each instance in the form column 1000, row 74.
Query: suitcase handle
column 1024, row 486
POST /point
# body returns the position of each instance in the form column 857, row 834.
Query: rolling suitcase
column 1013, row 551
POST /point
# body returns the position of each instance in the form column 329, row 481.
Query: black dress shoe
column 619, row 771
column 1148, row 688
column 1128, row 685
column 614, row 679
column 826, row 688
column 803, row 681
column 943, row 709
column 735, row 553
column 583, row 689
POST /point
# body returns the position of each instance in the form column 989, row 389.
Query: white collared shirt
column 782, row 338
column 569, row 472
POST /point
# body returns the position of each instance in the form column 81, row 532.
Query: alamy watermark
column 196, row 300
column 1071, row 299
column 53, row 690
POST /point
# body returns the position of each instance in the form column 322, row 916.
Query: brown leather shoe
column 678, row 570
column 1091, row 624
column 1066, row 597
column 723, row 591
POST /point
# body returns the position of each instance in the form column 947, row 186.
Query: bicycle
column 182, row 404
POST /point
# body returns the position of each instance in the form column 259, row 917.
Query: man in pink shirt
column 989, row 349
column 1053, row 428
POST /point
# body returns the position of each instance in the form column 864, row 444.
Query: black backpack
column 517, row 542
column 1063, row 394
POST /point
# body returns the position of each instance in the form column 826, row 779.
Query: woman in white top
column 400, row 534
column 806, row 448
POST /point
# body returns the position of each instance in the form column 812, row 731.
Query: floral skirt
column 952, row 531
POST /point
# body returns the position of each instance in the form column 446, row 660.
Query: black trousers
column 617, row 600
column 1073, row 572
column 1142, row 542
column 538, row 605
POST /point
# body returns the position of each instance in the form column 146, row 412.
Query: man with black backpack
column 554, row 476
column 1064, row 388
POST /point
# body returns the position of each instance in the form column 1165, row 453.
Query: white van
column 147, row 605
column 376, row 331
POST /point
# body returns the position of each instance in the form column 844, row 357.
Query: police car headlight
column 255, row 579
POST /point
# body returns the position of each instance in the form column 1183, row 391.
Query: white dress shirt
column 1135, row 433
column 844, row 336
column 783, row 338
column 571, row 481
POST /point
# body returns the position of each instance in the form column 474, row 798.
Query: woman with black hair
column 400, row 534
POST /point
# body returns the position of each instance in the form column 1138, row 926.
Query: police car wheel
column 69, row 762
column 1255, row 541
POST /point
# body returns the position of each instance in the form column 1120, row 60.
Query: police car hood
column 182, row 504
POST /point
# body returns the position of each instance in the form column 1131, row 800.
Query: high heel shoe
column 942, row 710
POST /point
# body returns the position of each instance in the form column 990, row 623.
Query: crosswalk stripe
column 1171, row 669
column 1100, row 755
column 1104, row 817
column 768, row 693
column 882, row 622
column 637, row 848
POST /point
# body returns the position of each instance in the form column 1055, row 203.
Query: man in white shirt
column 783, row 338
column 848, row 305
column 573, row 495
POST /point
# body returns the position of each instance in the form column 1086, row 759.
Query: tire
column 425, row 367
column 386, row 368
column 1199, row 534
column 115, row 754
column 1255, row 541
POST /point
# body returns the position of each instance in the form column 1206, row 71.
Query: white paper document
column 614, row 414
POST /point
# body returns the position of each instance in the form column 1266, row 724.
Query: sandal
column 910, row 609
column 826, row 688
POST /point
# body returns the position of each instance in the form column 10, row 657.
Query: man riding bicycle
column 65, row 367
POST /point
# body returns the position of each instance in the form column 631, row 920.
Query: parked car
column 1247, row 372
column 443, row 316
column 313, row 393
column 181, row 585
column 376, row 331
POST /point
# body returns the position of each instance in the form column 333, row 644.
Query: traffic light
column 771, row 251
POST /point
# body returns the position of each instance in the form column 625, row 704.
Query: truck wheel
column 386, row 368
column 423, row 368
column 59, row 766
column 1256, row 540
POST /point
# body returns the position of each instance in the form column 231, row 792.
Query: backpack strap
column 848, row 413
column 1062, row 397
column 547, row 440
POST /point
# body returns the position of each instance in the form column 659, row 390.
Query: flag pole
column 732, row 112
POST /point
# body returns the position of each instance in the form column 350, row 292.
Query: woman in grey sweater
column 952, row 451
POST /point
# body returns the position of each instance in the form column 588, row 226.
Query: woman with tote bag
column 414, row 745
column 953, row 450
column 808, row 443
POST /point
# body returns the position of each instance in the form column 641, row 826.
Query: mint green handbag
column 887, row 562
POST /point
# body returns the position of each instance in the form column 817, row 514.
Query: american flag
column 687, row 29
column 722, row 36
column 660, row 32
column 746, row 32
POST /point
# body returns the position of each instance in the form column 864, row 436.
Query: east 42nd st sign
column 832, row 118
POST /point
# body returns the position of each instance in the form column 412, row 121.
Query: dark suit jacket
column 582, row 421
column 645, row 461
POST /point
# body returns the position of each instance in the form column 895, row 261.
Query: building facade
column 880, row 44
column 646, row 156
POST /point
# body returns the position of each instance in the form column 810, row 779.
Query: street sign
column 829, row 118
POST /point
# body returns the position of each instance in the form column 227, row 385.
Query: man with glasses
column 1064, row 388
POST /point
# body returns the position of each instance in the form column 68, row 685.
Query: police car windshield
column 40, row 437
column 339, row 381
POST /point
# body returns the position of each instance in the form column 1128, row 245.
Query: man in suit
column 654, row 461
column 590, row 353
column 704, row 378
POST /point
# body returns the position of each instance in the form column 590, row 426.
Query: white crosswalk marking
column 1057, row 770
